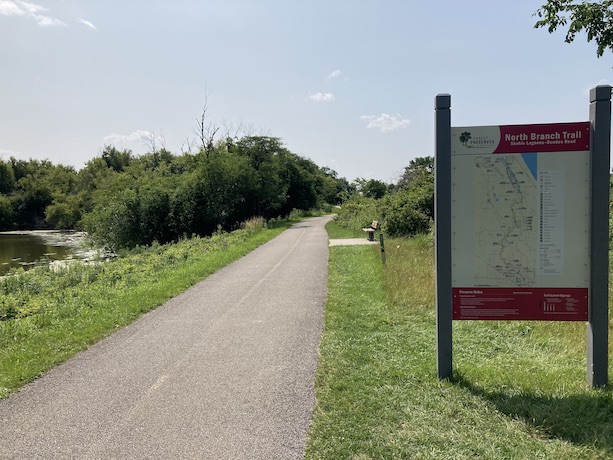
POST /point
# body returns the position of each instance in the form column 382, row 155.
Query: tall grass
column 336, row 231
column 519, row 389
column 409, row 277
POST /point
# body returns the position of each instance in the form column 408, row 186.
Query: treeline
column 403, row 209
column 124, row 200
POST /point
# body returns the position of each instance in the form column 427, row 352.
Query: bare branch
column 205, row 131
column 150, row 141
column 162, row 140
column 230, row 130
column 187, row 146
column 249, row 130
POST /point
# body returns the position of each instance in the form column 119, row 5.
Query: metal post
column 442, row 219
column 598, row 321
column 381, row 242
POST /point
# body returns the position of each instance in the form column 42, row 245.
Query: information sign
column 520, row 216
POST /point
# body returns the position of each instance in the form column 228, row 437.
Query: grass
column 47, row 316
column 519, row 389
column 335, row 231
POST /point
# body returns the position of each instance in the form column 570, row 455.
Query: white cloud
column 10, row 8
column 321, row 97
column 30, row 10
column 384, row 122
column 87, row 23
column 333, row 75
column 136, row 140
column 47, row 21
column 139, row 135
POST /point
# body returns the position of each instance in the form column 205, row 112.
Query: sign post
column 442, row 219
column 598, row 322
column 522, row 225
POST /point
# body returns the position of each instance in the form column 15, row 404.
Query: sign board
column 520, row 216
column 522, row 226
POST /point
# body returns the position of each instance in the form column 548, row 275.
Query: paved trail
column 223, row 371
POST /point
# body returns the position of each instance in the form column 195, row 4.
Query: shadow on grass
column 582, row 419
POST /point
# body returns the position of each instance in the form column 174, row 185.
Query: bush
column 406, row 213
column 357, row 212
column 253, row 225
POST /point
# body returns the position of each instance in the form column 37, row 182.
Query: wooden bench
column 371, row 229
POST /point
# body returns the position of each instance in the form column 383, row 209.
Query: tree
column 265, row 155
column 205, row 131
column 7, row 178
column 6, row 213
column 114, row 222
column 64, row 214
column 419, row 172
column 374, row 188
column 115, row 159
column 596, row 18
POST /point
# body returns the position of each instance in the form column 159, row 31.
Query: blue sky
column 348, row 84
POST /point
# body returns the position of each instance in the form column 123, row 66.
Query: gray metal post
column 442, row 219
column 598, row 325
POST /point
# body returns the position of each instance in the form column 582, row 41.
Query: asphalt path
column 222, row 371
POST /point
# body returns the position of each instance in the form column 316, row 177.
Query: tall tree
column 595, row 18
column 7, row 177
column 265, row 155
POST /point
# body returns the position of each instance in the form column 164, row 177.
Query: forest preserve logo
column 468, row 140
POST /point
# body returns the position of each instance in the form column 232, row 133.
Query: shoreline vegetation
column 49, row 314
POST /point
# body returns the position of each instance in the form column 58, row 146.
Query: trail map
column 506, row 238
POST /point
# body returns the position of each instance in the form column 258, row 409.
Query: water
column 26, row 249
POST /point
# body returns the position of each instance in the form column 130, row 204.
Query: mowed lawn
column 519, row 389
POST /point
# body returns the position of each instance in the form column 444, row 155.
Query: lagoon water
column 28, row 248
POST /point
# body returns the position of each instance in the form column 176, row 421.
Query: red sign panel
column 558, row 137
column 546, row 304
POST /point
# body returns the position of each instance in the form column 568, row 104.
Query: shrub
column 406, row 213
column 253, row 225
column 357, row 212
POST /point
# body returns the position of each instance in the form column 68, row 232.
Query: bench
column 371, row 229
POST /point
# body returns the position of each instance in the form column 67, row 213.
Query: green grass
column 335, row 231
column 519, row 389
column 50, row 316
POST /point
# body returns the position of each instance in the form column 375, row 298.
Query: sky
column 349, row 84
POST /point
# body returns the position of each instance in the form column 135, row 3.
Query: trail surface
column 222, row 371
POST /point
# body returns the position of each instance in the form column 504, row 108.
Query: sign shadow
column 581, row 419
